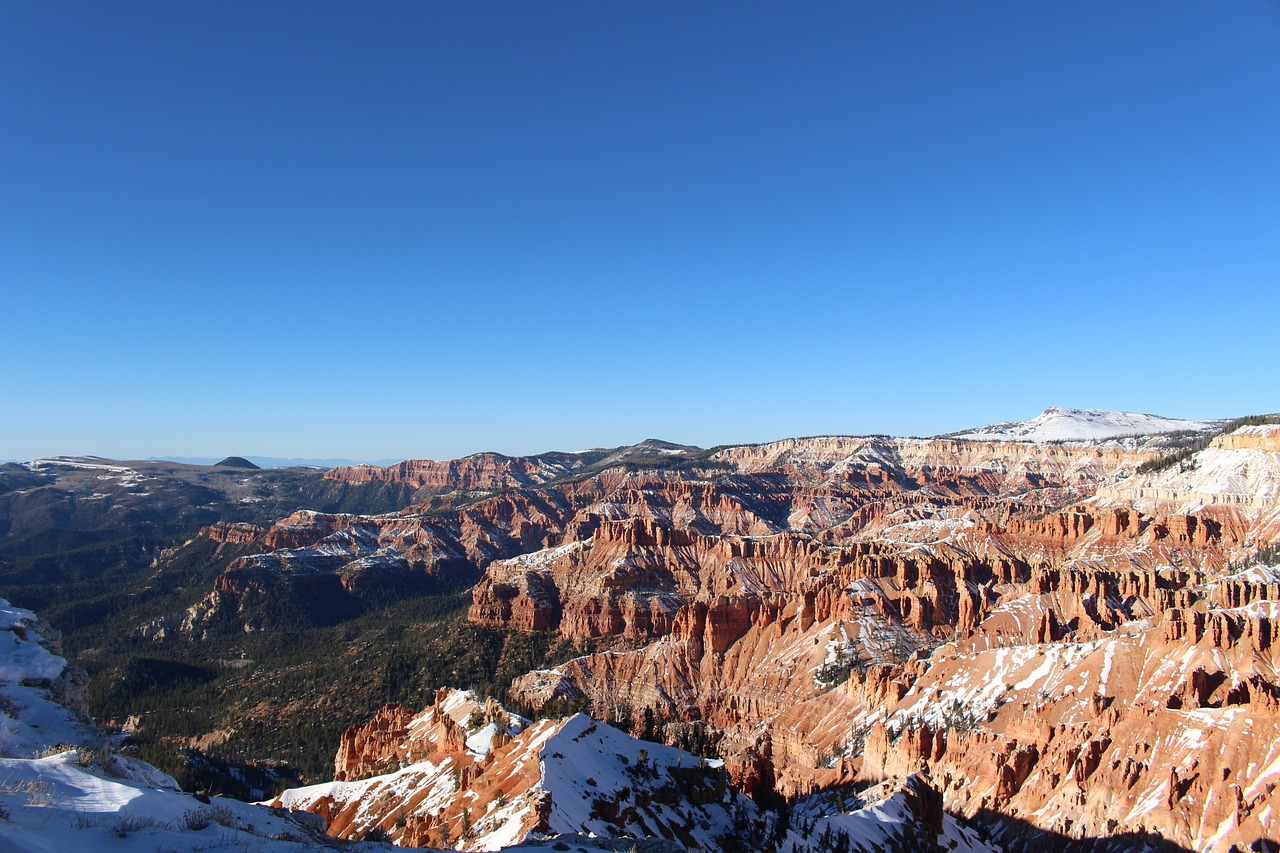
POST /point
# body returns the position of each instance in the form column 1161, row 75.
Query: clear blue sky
column 425, row 229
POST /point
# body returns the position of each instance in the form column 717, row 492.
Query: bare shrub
column 56, row 749
column 38, row 792
column 223, row 816
column 128, row 824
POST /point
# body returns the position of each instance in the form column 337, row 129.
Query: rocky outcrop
column 470, row 775
column 453, row 783
column 305, row 528
column 396, row 737
column 628, row 580
column 371, row 748
column 229, row 533
column 1091, row 737
column 1264, row 438
column 1237, row 477
column 483, row 472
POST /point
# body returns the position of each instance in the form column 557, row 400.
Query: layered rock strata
column 1070, row 619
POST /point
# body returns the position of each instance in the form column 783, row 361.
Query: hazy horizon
column 270, row 460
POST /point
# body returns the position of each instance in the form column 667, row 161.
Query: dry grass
column 37, row 792
column 128, row 824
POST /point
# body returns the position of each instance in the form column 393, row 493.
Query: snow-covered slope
column 1239, row 471
column 39, row 694
column 455, row 787
column 576, row 776
column 73, row 801
column 63, row 788
column 1058, row 423
column 889, row 816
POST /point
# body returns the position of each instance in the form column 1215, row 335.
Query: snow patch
column 1067, row 424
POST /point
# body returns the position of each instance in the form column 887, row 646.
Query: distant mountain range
column 1060, row 423
column 274, row 461
column 1056, row 423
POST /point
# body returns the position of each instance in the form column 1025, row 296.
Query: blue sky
column 405, row 229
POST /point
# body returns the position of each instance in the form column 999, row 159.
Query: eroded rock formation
column 1036, row 630
column 1073, row 667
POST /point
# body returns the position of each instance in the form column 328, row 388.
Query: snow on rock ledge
column 576, row 778
column 41, row 698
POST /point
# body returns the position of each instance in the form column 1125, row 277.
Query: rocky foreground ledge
column 467, row 774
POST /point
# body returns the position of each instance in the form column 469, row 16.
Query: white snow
column 585, row 761
column 481, row 743
column 1245, row 477
column 72, row 462
column 977, row 684
column 1257, row 573
column 547, row 556
column 58, row 804
column 31, row 717
column 881, row 821
column 85, row 797
column 1067, row 424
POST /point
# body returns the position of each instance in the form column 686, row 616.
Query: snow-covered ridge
column 88, row 463
column 38, row 693
column 581, row 778
column 1058, row 423
column 63, row 788
column 572, row 776
column 79, row 800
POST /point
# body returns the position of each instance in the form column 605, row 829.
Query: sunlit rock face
column 468, row 774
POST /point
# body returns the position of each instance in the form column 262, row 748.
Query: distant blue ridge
column 272, row 461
